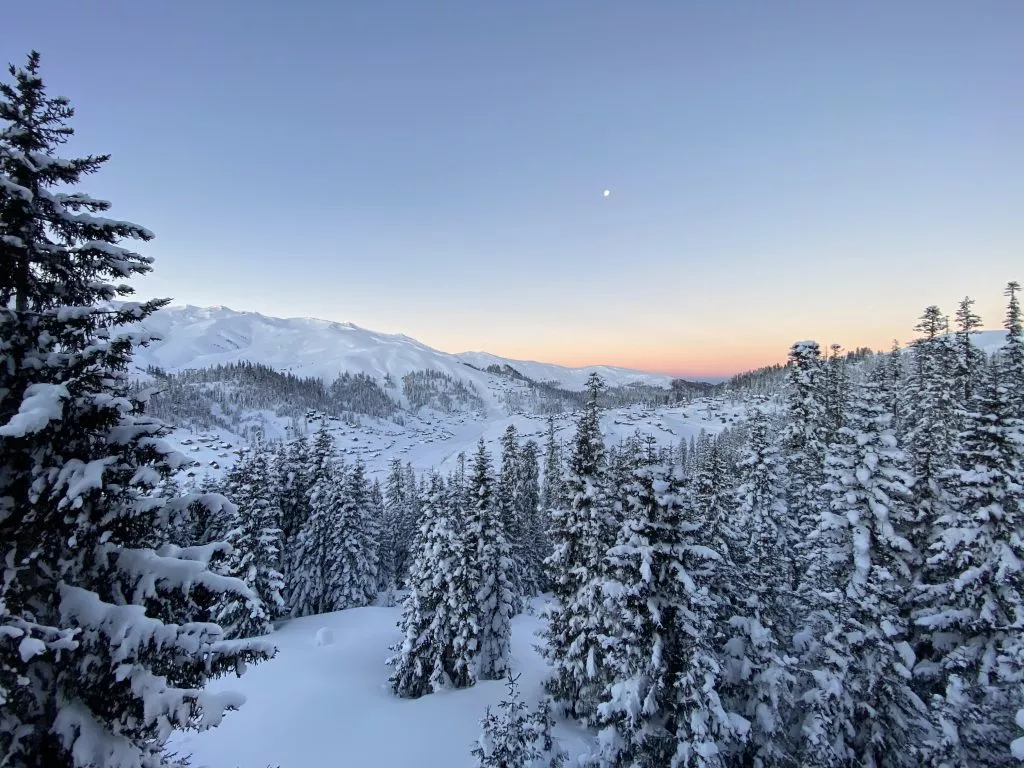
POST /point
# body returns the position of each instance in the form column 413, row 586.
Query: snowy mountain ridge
column 202, row 337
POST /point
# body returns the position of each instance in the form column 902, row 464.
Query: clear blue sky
column 778, row 170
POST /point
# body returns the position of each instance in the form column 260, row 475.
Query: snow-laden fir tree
column 255, row 539
column 316, row 585
column 354, row 566
column 836, row 385
column 383, row 542
column 515, row 736
column 1011, row 356
column 758, row 673
column 536, row 546
column 420, row 659
column 578, row 567
column 414, row 491
column 457, row 626
column 494, row 567
column 293, row 486
column 552, row 491
column 894, row 375
column 396, row 541
column 661, row 706
column 859, row 706
column 711, row 498
column 506, row 501
column 931, row 426
column 974, row 602
column 803, row 441
column 102, row 657
column 970, row 361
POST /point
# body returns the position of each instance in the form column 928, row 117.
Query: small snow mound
column 324, row 636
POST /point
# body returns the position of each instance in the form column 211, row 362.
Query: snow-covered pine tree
column 255, row 539
column 515, row 737
column 208, row 520
column 803, row 443
column 355, row 562
column 536, row 546
column 506, row 503
column 419, row 660
column 414, row 492
column 102, row 655
column 859, row 704
column 931, row 426
column 293, row 485
column 974, row 603
column 495, row 596
column 552, row 492
column 836, row 386
column 970, row 361
column 316, row 578
column 386, row 583
column 396, row 526
column 1011, row 356
column 711, row 498
column 894, row 375
column 456, row 625
column 758, row 673
column 577, row 568
column 660, row 705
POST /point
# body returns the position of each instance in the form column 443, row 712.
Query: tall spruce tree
column 293, row 485
column 804, row 442
column 974, row 602
column 397, row 510
column 859, row 704
column 255, row 539
column 507, row 504
column 661, row 705
column 103, row 648
column 316, row 580
column 1011, row 356
column 355, row 562
column 536, row 547
column 425, row 659
column 759, row 674
column 552, row 492
column 494, row 567
column 970, row 361
column 577, row 568
column 458, row 625
column 931, row 427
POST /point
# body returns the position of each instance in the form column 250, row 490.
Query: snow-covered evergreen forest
column 832, row 578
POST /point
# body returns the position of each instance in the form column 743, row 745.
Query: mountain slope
column 200, row 337
column 568, row 378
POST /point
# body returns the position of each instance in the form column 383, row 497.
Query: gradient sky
column 779, row 170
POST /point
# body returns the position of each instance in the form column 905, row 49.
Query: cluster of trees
column 441, row 391
column 231, row 396
column 476, row 555
column 107, row 631
column 845, row 590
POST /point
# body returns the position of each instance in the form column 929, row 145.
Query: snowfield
column 325, row 702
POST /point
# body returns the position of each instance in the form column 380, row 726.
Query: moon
column 606, row 192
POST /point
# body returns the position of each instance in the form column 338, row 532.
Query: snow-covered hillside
column 200, row 337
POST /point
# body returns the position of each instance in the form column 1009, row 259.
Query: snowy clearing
column 328, row 703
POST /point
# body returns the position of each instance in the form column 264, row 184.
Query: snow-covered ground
column 324, row 702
